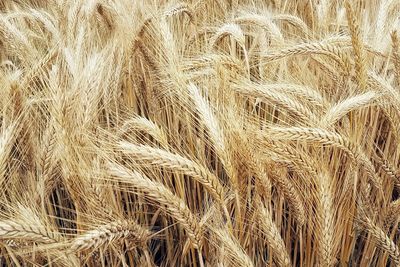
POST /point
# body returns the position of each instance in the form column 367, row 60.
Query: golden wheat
column 199, row 133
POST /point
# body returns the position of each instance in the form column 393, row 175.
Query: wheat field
column 199, row 133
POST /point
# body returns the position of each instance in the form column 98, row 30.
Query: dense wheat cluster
column 199, row 133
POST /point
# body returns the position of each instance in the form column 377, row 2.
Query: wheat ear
column 14, row 230
column 180, row 8
column 326, row 137
column 229, row 29
column 303, row 92
column 272, row 235
column 105, row 234
column 175, row 162
column 387, row 167
column 283, row 100
column 7, row 138
column 147, row 126
column 326, row 223
column 380, row 237
column 264, row 22
column 340, row 109
column 212, row 60
column 358, row 47
column 293, row 20
column 301, row 162
column 393, row 211
column 291, row 195
column 237, row 256
column 325, row 47
column 396, row 55
column 158, row 193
